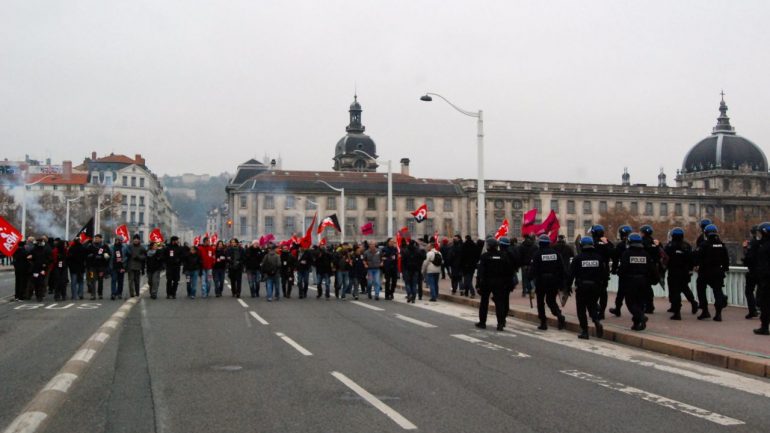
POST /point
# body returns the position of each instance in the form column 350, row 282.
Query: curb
column 743, row 363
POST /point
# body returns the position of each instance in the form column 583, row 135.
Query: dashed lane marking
column 294, row 344
column 365, row 305
column 655, row 398
column 243, row 304
column 376, row 402
column 489, row 345
column 415, row 321
column 258, row 317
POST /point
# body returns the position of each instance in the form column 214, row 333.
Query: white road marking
column 27, row 422
column 415, row 321
column 643, row 358
column 110, row 324
column 371, row 307
column 84, row 355
column 101, row 337
column 488, row 345
column 120, row 314
column 294, row 344
column 246, row 317
column 374, row 401
column 655, row 398
column 61, row 382
column 243, row 304
column 258, row 317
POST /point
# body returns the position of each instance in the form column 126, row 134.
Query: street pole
column 390, row 199
column 344, row 208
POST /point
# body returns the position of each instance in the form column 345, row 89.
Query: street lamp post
column 481, row 191
column 24, row 203
column 67, row 222
column 342, row 195
column 390, row 191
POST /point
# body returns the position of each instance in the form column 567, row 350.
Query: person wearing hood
column 21, row 270
column 97, row 261
column 495, row 279
column 137, row 257
column 118, row 261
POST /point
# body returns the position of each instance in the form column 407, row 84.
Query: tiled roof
column 58, row 179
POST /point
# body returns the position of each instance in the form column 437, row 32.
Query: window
column 123, row 199
column 449, row 226
column 243, row 201
column 691, row 210
column 289, row 225
column 371, row 203
column 133, row 200
column 587, row 208
column 678, row 209
column 571, row 207
column 429, row 204
column 429, row 227
column 517, row 204
column 141, row 182
column 244, row 226
column 410, row 204
column 538, row 204
column 125, row 181
column 133, row 217
column 269, row 202
column 331, row 203
column 706, row 184
column 663, row 209
column 133, row 180
column 141, row 217
column 602, row 207
column 555, row 205
column 499, row 204
column 448, row 205
column 618, row 205
column 726, row 184
column 289, row 202
column 123, row 216
column 634, row 208
column 351, row 203
column 269, row 225
column 308, row 221
column 747, row 185
column 516, row 227
column 648, row 209
column 571, row 229
column 308, row 204
column 55, row 187
column 410, row 224
column 141, row 200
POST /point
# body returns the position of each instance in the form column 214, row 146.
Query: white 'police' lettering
column 548, row 257
column 717, row 245
column 589, row 263
column 637, row 260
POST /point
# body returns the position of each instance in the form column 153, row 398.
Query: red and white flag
column 330, row 221
column 214, row 239
column 197, row 240
column 322, row 243
column 435, row 240
column 122, row 233
column 503, row 230
column 9, row 238
column 156, row 236
column 87, row 232
column 421, row 214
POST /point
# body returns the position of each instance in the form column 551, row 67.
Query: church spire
column 723, row 122
column 355, row 125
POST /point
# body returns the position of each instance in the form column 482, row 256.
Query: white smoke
column 46, row 222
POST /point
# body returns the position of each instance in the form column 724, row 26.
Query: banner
column 9, row 238
column 528, row 223
column 214, row 239
column 330, row 221
column 367, row 229
column 156, row 236
column 307, row 240
column 122, row 233
column 197, row 240
column 503, row 230
column 421, row 214
column 87, row 232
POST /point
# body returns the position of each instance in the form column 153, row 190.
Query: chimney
column 93, row 156
column 67, row 170
column 405, row 166
column 138, row 159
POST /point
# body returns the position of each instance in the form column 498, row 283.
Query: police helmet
column 764, row 228
column 625, row 230
column 544, row 240
column 597, row 230
column 646, row 229
column 711, row 230
column 586, row 242
column 635, row 238
column 705, row 222
column 677, row 232
column 504, row 241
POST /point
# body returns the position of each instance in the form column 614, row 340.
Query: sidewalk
column 729, row 344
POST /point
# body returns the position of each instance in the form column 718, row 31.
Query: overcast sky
column 571, row 91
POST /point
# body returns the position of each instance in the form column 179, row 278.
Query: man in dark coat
column 495, row 278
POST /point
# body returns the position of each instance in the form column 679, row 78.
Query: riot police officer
column 547, row 271
column 635, row 271
column 680, row 265
column 712, row 263
column 495, row 277
column 605, row 248
column 750, row 249
column 620, row 248
column 588, row 270
column 763, row 278
column 653, row 248
column 705, row 222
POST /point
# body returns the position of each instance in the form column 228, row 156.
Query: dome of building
column 350, row 153
column 724, row 150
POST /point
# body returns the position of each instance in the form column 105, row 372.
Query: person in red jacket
column 207, row 253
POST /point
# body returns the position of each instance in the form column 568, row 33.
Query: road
column 223, row 364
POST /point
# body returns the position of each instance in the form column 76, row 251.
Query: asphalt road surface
column 312, row 365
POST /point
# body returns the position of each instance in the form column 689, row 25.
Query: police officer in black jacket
column 547, row 272
column 617, row 254
column 588, row 270
column 495, row 277
column 680, row 265
column 636, row 270
column 653, row 248
column 173, row 261
column 605, row 248
column 750, row 250
column 763, row 278
column 712, row 262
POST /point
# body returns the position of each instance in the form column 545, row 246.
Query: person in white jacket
column 431, row 268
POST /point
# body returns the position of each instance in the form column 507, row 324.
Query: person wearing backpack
column 431, row 268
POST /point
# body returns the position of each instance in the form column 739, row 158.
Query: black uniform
column 617, row 254
column 96, row 266
column 21, row 269
column 173, row 262
column 235, row 260
column 588, row 271
column 653, row 251
column 713, row 263
column 41, row 259
column 288, row 266
column 604, row 249
column 636, row 270
column 547, row 272
column 680, row 264
column 495, row 277
column 750, row 260
column 763, row 282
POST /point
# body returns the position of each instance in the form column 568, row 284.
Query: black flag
column 87, row 232
column 330, row 221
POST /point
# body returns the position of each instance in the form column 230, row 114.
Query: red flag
column 197, row 240
column 330, row 221
column 214, row 239
column 206, row 236
column 122, row 232
column 503, row 230
column 156, row 236
column 9, row 238
column 421, row 214
column 87, row 232
column 405, row 233
column 322, row 243
column 528, row 225
column 367, row 229
column 435, row 240
column 549, row 227
column 307, row 240
column 398, row 248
